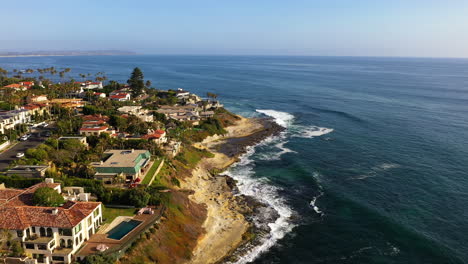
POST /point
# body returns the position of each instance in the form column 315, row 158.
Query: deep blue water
column 390, row 181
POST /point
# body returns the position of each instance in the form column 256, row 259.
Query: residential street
column 9, row 155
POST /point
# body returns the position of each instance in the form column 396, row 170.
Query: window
column 89, row 221
column 78, row 228
column 42, row 232
column 42, row 247
column 58, row 258
column 65, row 232
column 62, row 243
column 40, row 258
column 29, row 246
column 97, row 212
column 19, row 233
column 49, row 232
column 33, row 229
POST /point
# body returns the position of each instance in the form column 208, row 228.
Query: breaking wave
column 286, row 120
column 279, row 223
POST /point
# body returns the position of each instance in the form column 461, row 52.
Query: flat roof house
column 28, row 171
column 125, row 164
column 48, row 234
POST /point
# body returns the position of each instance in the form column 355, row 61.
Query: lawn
column 151, row 172
column 110, row 214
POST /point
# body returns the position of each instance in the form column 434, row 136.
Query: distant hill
column 65, row 53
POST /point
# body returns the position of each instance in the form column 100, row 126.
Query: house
column 28, row 171
column 21, row 86
column 158, row 136
column 68, row 103
column 172, row 148
column 94, row 125
column 16, row 87
column 27, row 85
column 127, row 165
column 96, row 130
column 82, row 140
column 37, row 99
column 37, row 109
column 90, row 85
column 181, row 93
column 9, row 119
column 137, row 111
column 121, row 97
column 48, row 234
column 206, row 114
column 100, row 95
column 180, row 112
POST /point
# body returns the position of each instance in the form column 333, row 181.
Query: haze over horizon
column 317, row 28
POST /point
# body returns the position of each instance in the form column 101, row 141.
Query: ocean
column 372, row 166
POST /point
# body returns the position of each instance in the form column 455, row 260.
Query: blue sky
column 420, row 28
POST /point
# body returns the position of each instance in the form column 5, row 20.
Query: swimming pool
column 122, row 229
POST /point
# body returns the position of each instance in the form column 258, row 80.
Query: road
column 9, row 155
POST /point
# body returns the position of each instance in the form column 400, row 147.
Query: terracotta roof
column 21, row 217
column 95, row 117
column 157, row 134
column 14, row 197
column 17, row 211
column 14, row 85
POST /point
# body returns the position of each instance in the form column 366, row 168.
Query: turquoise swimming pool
column 122, row 229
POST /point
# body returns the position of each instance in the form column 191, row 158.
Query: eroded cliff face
column 175, row 236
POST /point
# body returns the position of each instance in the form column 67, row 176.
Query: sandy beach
column 225, row 224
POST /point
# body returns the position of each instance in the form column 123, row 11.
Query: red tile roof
column 17, row 212
column 21, row 217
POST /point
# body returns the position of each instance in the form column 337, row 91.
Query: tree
column 16, row 249
column 148, row 84
column 46, row 196
column 138, row 197
column 136, row 82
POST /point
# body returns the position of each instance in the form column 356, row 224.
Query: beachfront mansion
column 48, row 234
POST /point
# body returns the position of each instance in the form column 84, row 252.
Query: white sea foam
column 259, row 188
column 286, row 120
column 314, row 131
column 282, row 118
column 315, row 207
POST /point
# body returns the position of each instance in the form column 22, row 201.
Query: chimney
column 133, row 150
column 49, row 180
column 55, row 211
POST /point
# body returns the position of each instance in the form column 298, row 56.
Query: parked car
column 19, row 154
column 24, row 137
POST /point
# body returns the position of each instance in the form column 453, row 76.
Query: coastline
column 226, row 224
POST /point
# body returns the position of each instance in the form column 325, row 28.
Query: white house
column 137, row 111
column 121, row 97
column 48, row 234
column 8, row 119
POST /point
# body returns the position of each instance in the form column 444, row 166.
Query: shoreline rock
column 229, row 221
